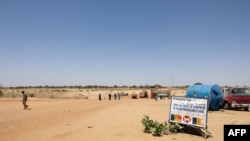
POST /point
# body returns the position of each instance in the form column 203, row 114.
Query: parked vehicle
column 236, row 98
column 144, row 94
column 163, row 95
column 160, row 92
column 134, row 96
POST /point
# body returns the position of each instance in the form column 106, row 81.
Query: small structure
column 160, row 92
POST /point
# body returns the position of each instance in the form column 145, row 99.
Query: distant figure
column 119, row 96
column 146, row 93
column 109, row 96
column 24, row 100
column 155, row 97
column 115, row 96
column 100, row 97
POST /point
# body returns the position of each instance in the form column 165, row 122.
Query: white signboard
column 190, row 111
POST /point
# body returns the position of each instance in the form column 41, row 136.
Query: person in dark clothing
column 115, row 96
column 109, row 96
column 100, row 97
column 24, row 100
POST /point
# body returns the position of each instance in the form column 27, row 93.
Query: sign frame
column 189, row 111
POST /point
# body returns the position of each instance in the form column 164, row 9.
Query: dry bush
column 32, row 95
column 1, row 93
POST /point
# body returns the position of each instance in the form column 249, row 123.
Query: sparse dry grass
column 75, row 93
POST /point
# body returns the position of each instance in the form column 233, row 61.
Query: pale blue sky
column 124, row 42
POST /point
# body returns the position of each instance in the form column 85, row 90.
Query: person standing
column 155, row 97
column 109, row 96
column 115, row 96
column 24, row 100
column 100, row 97
column 119, row 96
column 146, row 93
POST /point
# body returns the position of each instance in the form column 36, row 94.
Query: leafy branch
column 158, row 129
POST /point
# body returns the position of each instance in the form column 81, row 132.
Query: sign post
column 189, row 111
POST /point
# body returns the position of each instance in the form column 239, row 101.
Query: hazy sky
column 124, row 42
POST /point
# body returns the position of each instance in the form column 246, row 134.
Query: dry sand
column 93, row 120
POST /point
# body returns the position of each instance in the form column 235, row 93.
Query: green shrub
column 148, row 124
column 173, row 127
column 158, row 129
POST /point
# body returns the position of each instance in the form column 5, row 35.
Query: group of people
column 116, row 96
column 25, row 98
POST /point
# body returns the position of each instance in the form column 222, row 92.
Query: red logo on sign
column 186, row 119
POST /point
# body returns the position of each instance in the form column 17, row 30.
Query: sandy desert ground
column 92, row 120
